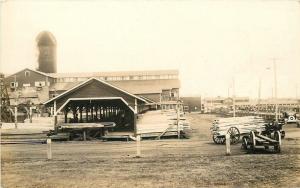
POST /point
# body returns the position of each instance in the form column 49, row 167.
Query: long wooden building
column 30, row 86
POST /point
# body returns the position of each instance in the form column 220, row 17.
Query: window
column 39, row 84
column 13, row 84
column 27, row 73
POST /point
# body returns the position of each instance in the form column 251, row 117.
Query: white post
column 138, row 145
column 16, row 117
column 135, row 117
column 227, row 144
column 84, row 135
column 49, row 151
column 55, row 115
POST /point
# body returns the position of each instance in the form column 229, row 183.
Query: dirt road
column 195, row 162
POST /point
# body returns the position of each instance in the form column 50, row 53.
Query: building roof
column 147, row 86
column 88, row 81
column 39, row 72
column 132, row 86
column 118, row 73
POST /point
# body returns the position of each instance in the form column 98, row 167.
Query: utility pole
column 259, row 91
column 233, row 96
column 296, row 91
column 1, row 91
column 16, row 107
column 275, row 88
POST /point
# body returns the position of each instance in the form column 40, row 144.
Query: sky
column 213, row 44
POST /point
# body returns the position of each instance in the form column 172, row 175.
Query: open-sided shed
column 95, row 101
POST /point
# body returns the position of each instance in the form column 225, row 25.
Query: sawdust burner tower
column 46, row 45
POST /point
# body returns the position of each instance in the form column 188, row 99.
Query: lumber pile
column 243, row 124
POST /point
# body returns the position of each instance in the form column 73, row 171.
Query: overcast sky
column 210, row 42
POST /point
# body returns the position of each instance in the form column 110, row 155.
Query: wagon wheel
column 244, row 143
column 253, row 141
column 234, row 135
column 217, row 139
column 277, row 137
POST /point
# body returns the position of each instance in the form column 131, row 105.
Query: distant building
column 245, row 104
column 192, row 104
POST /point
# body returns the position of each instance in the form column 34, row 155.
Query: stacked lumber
column 243, row 124
column 160, row 123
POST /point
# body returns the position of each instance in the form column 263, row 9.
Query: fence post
column 177, row 120
column 227, row 144
column 49, row 152
column 138, row 145
column 30, row 114
column 84, row 135
column 16, row 117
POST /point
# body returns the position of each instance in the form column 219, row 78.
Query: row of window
column 117, row 78
column 36, row 84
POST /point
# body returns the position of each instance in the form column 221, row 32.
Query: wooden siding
column 153, row 96
column 30, row 79
column 95, row 88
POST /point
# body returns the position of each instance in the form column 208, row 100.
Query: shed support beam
column 134, row 117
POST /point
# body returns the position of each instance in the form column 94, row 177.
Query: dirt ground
column 195, row 162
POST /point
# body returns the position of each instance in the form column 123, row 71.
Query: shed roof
column 77, row 86
column 132, row 86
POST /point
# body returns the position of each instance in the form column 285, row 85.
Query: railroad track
column 23, row 138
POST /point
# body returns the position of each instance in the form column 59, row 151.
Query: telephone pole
column 275, row 87
column 233, row 96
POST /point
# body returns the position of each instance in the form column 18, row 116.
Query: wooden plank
column 266, row 138
column 86, row 125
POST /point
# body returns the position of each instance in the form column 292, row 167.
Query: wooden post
column 30, row 114
column 66, row 115
column 227, row 144
column 86, row 113
column 49, row 151
column 16, row 117
column 55, row 116
column 84, row 135
column 100, row 112
column 92, row 113
column 138, row 145
column 80, row 112
column 134, row 117
column 96, row 109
